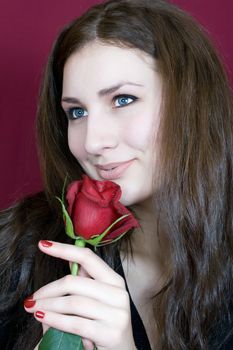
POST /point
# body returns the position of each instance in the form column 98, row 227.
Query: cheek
column 139, row 133
column 76, row 141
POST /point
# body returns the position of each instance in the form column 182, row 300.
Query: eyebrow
column 114, row 88
column 103, row 92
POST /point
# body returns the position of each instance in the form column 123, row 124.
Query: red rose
column 94, row 205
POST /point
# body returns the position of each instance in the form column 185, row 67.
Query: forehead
column 103, row 64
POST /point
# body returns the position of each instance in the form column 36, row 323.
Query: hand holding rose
column 95, row 307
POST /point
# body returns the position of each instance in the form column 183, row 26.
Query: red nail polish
column 46, row 244
column 39, row 314
column 29, row 302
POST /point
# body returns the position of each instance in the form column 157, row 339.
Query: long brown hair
column 195, row 196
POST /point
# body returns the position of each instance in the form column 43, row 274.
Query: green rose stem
column 74, row 268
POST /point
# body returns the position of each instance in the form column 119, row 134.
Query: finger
column 88, row 344
column 92, row 263
column 86, row 328
column 76, row 305
column 86, row 287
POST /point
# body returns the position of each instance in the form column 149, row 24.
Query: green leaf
column 112, row 240
column 96, row 240
column 58, row 340
column 69, row 225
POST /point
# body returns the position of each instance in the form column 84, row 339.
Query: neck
column 147, row 235
column 150, row 261
column 147, row 242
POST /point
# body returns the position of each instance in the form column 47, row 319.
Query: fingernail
column 46, row 244
column 39, row 314
column 29, row 302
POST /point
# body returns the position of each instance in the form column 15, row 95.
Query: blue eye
column 124, row 100
column 76, row 113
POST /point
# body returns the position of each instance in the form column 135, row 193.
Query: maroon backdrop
column 27, row 30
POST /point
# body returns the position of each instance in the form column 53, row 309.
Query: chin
column 133, row 196
column 128, row 199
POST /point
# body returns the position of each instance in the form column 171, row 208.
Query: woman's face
column 112, row 98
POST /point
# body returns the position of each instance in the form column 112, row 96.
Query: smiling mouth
column 114, row 172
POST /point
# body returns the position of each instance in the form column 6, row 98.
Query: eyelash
column 133, row 98
column 70, row 111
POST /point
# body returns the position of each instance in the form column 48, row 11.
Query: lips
column 113, row 171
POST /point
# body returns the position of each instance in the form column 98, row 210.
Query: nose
column 101, row 133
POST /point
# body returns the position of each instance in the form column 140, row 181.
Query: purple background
column 27, row 30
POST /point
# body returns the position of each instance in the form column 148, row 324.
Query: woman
column 129, row 81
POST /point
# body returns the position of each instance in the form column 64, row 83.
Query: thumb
column 88, row 344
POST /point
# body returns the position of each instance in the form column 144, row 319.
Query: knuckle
column 120, row 323
column 125, row 298
column 80, row 326
column 121, row 282
column 85, row 254
column 116, row 336
column 124, row 318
